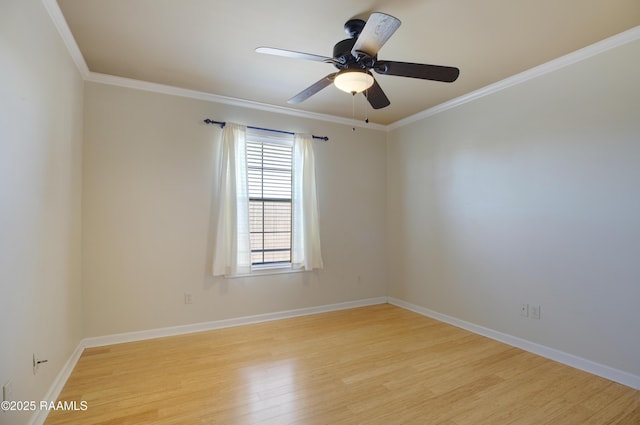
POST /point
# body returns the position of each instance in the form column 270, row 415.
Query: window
column 266, row 205
column 269, row 171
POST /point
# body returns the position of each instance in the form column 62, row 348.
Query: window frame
column 261, row 137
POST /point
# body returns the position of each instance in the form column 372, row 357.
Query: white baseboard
column 589, row 366
column 58, row 383
column 61, row 379
column 226, row 323
column 607, row 372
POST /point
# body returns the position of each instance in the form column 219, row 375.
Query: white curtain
column 232, row 252
column 305, row 252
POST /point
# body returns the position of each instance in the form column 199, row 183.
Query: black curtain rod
column 222, row 124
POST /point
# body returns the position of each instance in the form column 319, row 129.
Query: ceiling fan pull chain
column 353, row 108
column 366, row 114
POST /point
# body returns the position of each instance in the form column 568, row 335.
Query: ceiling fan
column 357, row 56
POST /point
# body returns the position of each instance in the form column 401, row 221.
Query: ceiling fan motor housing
column 345, row 59
column 342, row 50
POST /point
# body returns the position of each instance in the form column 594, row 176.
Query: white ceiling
column 208, row 45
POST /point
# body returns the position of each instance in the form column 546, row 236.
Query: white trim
column 607, row 372
column 74, row 51
column 266, row 271
column 617, row 40
column 58, row 383
column 60, row 23
column 63, row 29
column 589, row 366
column 226, row 323
column 225, row 100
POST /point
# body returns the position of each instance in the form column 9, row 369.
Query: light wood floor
column 372, row 365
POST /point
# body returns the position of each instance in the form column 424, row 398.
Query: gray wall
column 528, row 195
column 147, row 198
column 40, row 201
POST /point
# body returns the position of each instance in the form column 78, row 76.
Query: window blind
column 269, row 169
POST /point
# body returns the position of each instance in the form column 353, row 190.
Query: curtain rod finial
column 220, row 123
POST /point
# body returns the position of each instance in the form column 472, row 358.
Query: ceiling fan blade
column 447, row 74
column 378, row 29
column 312, row 89
column 376, row 97
column 294, row 55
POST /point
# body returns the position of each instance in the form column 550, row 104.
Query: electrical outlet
column 535, row 312
column 188, row 298
column 37, row 362
column 524, row 310
column 7, row 391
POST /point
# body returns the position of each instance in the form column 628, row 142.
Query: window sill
column 266, row 271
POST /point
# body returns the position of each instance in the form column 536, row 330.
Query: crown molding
column 612, row 42
column 63, row 29
column 231, row 101
column 60, row 23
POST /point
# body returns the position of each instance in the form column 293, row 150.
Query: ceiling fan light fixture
column 353, row 81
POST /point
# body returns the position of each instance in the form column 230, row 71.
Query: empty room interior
column 349, row 212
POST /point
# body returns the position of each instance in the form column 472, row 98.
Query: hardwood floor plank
column 372, row 365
